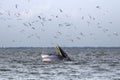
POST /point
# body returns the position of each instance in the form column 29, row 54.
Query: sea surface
column 86, row 64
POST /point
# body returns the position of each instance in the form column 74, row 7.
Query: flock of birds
column 43, row 20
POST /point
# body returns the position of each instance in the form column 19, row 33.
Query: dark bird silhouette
column 71, row 40
column 43, row 19
column 59, row 32
column 78, row 38
column 22, row 31
column 98, row 7
column 110, row 22
column 39, row 17
column 115, row 33
column 105, row 30
column 55, row 36
column 61, row 10
column 67, row 24
column 30, row 36
column 81, row 34
column 33, row 28
column 56, row 16
column 42, row 23
column 16, row 6
column 30, row 24
column 13, row 40
column 25, row 24
column 93, row 18
column 90, row 17
column 82, row 17
column 88, row 23
column 49, row 19
column 60, row 25
column 9, row 26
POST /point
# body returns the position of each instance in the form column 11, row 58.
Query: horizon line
column 63, row 47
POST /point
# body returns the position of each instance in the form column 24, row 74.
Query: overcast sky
column 45, row 23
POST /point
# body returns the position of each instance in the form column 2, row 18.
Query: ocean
column 87, row 64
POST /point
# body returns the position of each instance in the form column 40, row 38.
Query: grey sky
column 79, row 23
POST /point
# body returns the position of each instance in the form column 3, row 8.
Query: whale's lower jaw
column 47, row 57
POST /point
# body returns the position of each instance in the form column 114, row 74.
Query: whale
column 59, row 56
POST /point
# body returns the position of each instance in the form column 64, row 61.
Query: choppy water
column 87, row 64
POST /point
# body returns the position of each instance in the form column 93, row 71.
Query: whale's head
column 56, row 57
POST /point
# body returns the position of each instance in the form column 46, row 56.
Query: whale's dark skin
column 62, row 53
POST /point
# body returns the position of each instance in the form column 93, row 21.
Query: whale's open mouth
column 55, row 57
